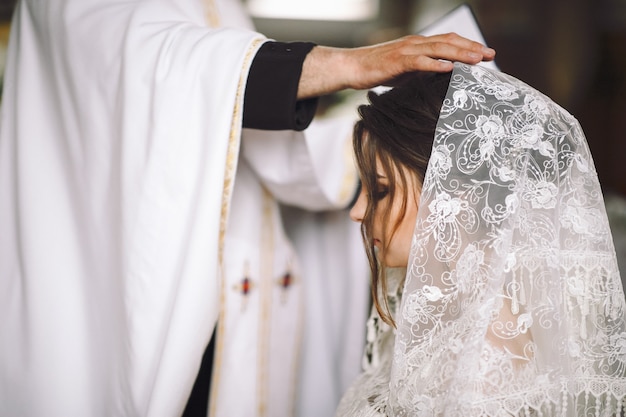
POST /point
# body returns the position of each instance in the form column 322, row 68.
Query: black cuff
column 270, row 100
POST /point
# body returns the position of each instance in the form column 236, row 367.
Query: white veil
column 513, row 303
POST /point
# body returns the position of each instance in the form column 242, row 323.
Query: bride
column 495, row 282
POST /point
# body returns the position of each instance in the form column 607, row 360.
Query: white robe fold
column 113, row 202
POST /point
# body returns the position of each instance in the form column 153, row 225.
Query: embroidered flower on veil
column 580, row 219
column 493, row 86
column 535, row 107
column 503, row 91
column 418, row 310
column 445, row 209
column 440, row 162
column 460, row 99
column 541, row 194
column 448, row 216
column 617, row 345
column 532, row 137
column 468, row 269
column 490, row 127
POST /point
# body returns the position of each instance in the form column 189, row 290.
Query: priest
column 138, row 215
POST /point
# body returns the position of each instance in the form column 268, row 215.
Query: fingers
column 464, row 43
column 436, row 53
column 425, row 63
column 451, row 47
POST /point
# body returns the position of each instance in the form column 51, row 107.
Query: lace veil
column 513, row 303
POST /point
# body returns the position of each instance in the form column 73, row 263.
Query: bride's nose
column 358, row 209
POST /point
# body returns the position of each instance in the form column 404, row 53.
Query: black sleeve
column 270, row 99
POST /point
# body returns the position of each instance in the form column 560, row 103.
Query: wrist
column 325, row 70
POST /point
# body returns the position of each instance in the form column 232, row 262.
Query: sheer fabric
column 513, row 303
column 369, row 394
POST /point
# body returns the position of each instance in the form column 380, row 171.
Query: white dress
column 368, row 395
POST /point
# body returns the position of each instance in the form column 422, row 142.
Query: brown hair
column 398, row 128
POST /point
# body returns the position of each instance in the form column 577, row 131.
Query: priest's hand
column 327, row 70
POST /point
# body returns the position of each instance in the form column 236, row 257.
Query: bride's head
column 392, row 144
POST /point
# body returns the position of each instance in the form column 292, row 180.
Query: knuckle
column 422, row 62
column 410, row 41
column 437, row 47
column 406, row 41
column 415, row 38
column 450, row 37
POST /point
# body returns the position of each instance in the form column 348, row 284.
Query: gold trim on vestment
column 295, row 374
column 211, row 14
column 266, row 264
column 232, row 156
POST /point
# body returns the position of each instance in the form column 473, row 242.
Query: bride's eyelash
column 380, row 192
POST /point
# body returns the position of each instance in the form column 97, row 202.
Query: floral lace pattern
column 513, row 303
column 369, row 394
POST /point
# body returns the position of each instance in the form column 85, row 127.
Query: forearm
column 323, row 72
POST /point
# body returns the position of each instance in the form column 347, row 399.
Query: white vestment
column 119, row 150
column 259, row 342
